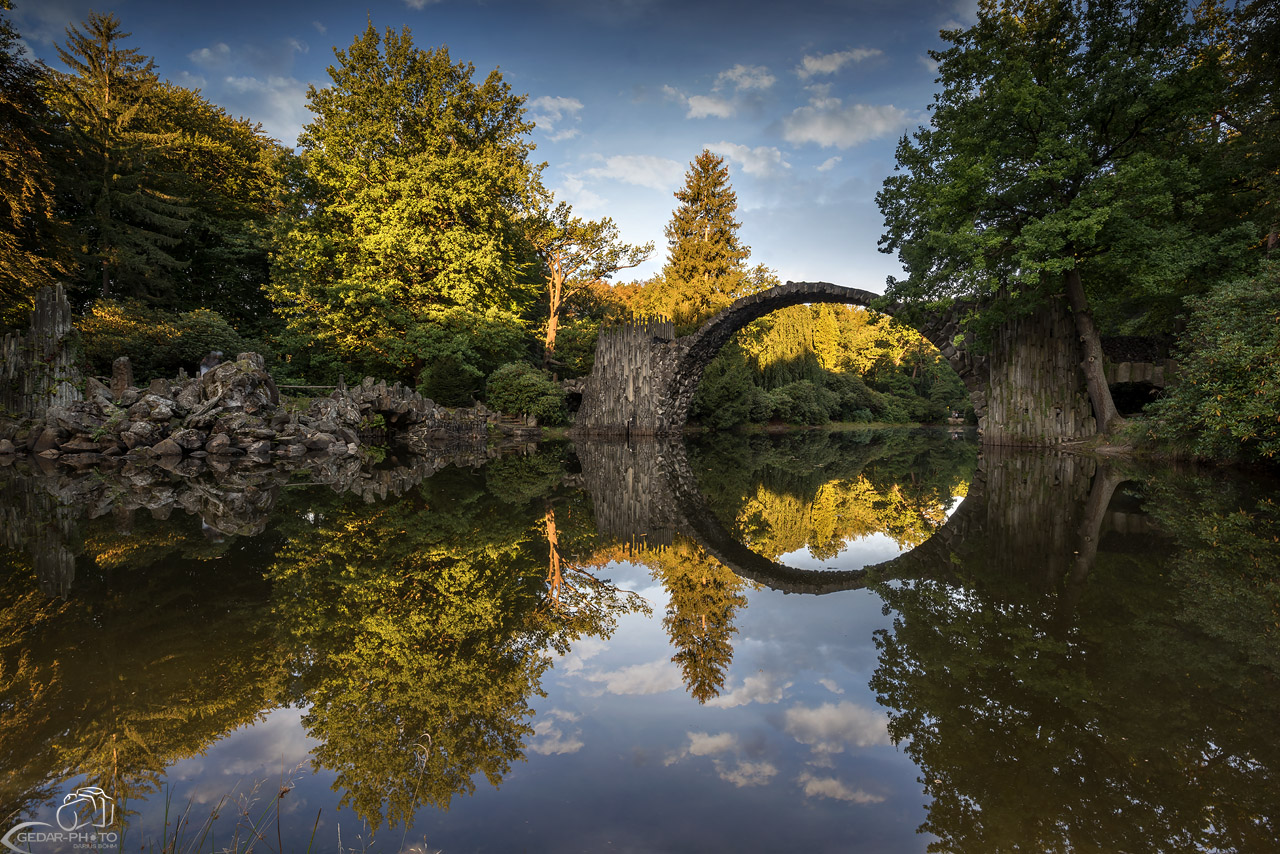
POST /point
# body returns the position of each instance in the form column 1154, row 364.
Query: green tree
column 1249, row 122
column 726, row 394
column 415, row 177
column 28, row 256
column 127, row 219
column 228, row 170
column 518, row 388
column 1058, row 149
column 706, row 263
column 574, row 253
column 1226, row 402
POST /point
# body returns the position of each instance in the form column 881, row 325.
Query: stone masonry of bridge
column 1027, row 389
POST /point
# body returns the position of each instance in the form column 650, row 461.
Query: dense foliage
column 1064, row 157
column 1226, row 404
column 414, row 179
column 521, row 389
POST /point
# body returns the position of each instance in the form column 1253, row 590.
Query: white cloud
column 930, row 63
column 744, row 77
column 574, row 191
column 748, row 773
column 762, row 160
column 420, row 4
column 549, row 740
column 754, row 689
column 966, row 15
column 320, row 28
column 654, row 677
column 549, row 112
column 190, row 81
column 830, row 787
column 830, row 684
column 589, row 647
column 702, row 744
column 820, row 96
column 281, row 101
column 830, row 63
column 642, row 170
column 833, row 124
column 829, row 728
column 702, row 106
column 216, row 56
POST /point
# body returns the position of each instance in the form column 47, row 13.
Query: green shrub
column 1226, row 403
column 725, row 396
column 518, row 388
column 803, row 403
column 157, row 343
column 852, row 397
column 458, row 347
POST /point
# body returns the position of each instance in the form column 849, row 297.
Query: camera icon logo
column 89, row 806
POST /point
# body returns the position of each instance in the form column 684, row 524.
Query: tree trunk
column 556, row 293
column 1104, row 408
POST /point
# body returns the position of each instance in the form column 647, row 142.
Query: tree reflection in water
column 1061, row 689
column 418, row 632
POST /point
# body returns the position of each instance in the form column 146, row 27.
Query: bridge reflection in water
column 1022, row 507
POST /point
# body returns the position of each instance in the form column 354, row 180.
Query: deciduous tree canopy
column 414, row 176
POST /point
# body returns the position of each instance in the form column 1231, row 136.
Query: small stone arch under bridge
column 1027, row 388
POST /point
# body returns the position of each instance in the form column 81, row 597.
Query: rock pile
column 233, row 411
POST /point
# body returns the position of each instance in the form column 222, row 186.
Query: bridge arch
column 699, row 348
column 645, row 377
column 697, row 520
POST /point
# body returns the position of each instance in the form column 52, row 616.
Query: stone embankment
column 231, row 412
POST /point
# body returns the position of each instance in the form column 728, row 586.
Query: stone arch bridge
column 1027, row 389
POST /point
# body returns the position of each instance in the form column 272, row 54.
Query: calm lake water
column 882, row 642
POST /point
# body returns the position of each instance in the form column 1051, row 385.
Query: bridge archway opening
column 702, row 346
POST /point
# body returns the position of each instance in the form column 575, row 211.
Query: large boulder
column 243, row 384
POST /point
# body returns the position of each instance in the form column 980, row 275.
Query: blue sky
column 805, row 100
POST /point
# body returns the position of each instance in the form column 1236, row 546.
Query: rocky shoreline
column 233, row 412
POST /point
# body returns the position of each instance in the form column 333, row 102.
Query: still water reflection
column 879, row 642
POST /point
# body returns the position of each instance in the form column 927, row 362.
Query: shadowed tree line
column 1115, row 694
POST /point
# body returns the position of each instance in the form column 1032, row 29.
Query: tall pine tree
column 26, row 188
column 706, row 266
column 127, row 222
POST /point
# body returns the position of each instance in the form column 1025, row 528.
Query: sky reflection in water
column 791, row 748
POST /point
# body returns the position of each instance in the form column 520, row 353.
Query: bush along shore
column 234, row 411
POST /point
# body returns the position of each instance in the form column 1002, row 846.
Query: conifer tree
column 706, row 266
column 705, row 597
column 127, row 222
column 26, row 188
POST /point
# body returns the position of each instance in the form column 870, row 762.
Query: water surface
column 820, row 642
